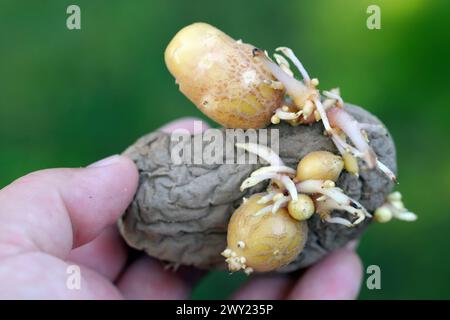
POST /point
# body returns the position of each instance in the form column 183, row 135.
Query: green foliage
column 68, row 98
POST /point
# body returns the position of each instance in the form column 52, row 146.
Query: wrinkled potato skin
column 180, row 213
column 221, row 77
column 271, row 240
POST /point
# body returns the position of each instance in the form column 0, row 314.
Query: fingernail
column 352, row 245
column 193, row 125
column 105, row 162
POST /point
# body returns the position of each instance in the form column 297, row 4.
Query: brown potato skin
column 221, row 77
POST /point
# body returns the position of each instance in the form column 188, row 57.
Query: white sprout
column 355, row 131
column 335, row 199
column 394, row 208
column 296, row 89
column 386, row 171
column 322, row 198
column 329, row 205
column 343, row 120
column 267, row 198
column 316, row 97
column 263, row 211
column 290, row 54
column 273, row 169
column 334, row 96
column 343, row 147
column 405, row 216
column 283, row 115
column 338, row 220
column 290, row 186
column 282, row 61
column 276, row 171
column 254, row 180
column 284, row 64
column 323, row 114
column 281, row 201
column 301, row 93
column 263, row 152
column 317, row 186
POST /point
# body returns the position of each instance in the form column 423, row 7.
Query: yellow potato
column 301, row 209
column 320, row 165
column 221, row 77
column 266, row 242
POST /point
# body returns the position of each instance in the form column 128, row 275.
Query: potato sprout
column 393, row 208
column 285, row 189
column 308, row 104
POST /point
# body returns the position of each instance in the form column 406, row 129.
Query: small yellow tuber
column 320, row 165
column 262, row 242
column 350, row 163
column 302, row 208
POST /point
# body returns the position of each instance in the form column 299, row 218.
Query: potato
column 221, row 77
column 302, row 208
column 265, row 242
column 180, row 213
column 320, row 165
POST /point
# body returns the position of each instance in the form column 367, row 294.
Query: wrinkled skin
column 180, row 213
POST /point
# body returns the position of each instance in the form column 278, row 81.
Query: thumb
column 56, row 210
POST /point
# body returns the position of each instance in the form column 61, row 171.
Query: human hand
column 52, row 219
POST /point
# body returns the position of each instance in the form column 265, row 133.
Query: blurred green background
column 68, row 98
